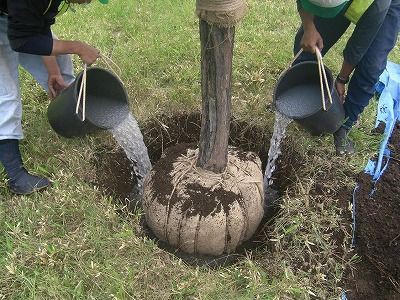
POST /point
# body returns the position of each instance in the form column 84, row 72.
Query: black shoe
column 20, row 181
column 343, row 144
column 25, row 183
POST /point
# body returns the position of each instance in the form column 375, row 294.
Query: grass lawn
column 69, row 243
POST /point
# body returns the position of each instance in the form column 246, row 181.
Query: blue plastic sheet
column 353, row 214
column 388, row 113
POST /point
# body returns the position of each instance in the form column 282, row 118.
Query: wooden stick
column 325, row 78
column 78, row 102
column 82, row 92
column 320, row 79
column 84, row 95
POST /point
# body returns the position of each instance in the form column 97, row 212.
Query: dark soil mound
column 377, row 238
column 116, row 176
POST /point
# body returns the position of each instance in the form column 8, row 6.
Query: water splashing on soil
column 130, row 138
column 280, row 125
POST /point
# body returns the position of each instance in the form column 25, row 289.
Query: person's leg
column 362, row 84
column 20, row 181
column 342, row 141
column 10, row 100
column 366, row 74
column 329, row 29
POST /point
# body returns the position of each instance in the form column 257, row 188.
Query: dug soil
column 115, row 176
column 377, row 232
column 376, row 275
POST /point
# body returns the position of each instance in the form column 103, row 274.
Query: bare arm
column 51, row 65
column 343, row 77
column 55, row 80
column 87, row 53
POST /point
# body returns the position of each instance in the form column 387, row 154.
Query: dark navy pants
column 366, row 74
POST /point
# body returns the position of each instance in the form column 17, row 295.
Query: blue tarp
column 388, row 113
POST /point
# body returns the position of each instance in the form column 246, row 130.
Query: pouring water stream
column 130, row 138
column 280, row 125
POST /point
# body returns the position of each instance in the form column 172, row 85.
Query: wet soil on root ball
column 117, row 179
column 377, row 240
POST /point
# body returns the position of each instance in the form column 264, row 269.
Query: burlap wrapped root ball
column 202, row 212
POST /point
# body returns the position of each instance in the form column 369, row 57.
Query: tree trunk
column 216, row 72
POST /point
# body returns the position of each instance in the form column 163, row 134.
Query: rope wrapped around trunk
column 222, row 13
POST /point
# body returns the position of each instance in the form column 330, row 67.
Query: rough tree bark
column 216, row 72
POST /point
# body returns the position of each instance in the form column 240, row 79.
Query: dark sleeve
column 365, row 31
column 38, row 44
column 299, row 7
column 28, row 29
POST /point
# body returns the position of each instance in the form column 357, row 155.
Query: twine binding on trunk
column 222, row 13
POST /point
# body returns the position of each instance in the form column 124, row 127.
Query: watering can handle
column 82, row 90
column 82, row 94
column 295, row 57
column 323, row 78
column 108, row 61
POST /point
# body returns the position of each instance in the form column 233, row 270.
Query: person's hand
column 88, row 54
column 341, row 90
column 56, row 85
column 311, row 39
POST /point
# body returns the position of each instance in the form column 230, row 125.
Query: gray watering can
column 104, row 107
column 298, row 96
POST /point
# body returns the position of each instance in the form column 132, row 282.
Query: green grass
column 69, row 243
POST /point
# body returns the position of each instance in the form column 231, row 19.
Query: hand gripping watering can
column 305, row 92
column 96, row 100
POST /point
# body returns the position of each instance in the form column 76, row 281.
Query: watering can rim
column 75, row 91
column 290, row 68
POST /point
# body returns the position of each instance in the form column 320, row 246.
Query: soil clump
column 377, row 232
